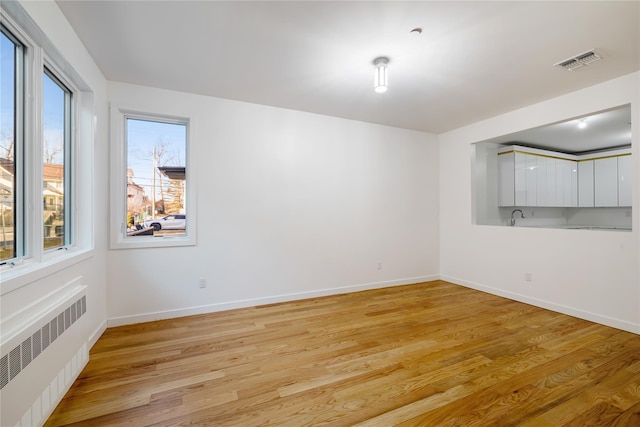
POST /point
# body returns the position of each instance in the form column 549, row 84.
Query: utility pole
column 153, row 185
column 4, row 232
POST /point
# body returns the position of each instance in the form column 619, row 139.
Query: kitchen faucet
column 513, row 220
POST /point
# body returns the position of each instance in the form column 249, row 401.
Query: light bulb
column 381, row 79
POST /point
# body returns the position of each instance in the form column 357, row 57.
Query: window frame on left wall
column 37, row 59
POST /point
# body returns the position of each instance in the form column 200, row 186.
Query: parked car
column 169, row 222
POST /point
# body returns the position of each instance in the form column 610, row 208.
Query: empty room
column 301, row 213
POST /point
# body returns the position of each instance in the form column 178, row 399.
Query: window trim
column 118, row 193
column 33, row 262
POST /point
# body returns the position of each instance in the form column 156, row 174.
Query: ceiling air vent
column 586, row 58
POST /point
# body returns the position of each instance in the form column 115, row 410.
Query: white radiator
column 27, row 337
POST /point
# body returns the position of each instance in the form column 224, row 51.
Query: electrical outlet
column 379, row 265
column 528, row 277
column 202, row 282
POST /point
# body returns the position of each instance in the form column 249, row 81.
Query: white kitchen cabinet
column 585, row 184
column 574, row 183
column 535, row 177
column 548, row 181
column 624, row 181
column 531, row 177
column 605, row 171
column 540, row 173
column 512, row 179
column 536, row 172
column 566, row 183
column 605, row 182
column 506, row 179
column 520, row 179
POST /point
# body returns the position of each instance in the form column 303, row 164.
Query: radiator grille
column 46, row 334
column 4, row 371
column 23, row 354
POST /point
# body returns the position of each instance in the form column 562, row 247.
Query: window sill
column 137, row 242
column 29, row 271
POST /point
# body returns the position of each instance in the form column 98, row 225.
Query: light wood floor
column 430, row 354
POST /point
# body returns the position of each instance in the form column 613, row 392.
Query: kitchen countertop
column 578, row 227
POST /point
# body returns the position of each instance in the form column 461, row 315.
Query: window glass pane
column 8, row 90
column 156, row 177
column 55, row 134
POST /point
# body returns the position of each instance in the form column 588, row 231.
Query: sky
column 53, row 116
column 6, row 92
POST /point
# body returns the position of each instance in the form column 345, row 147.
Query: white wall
column 27, row 386
column 290, row 205
column 593, row 275
column 484, row 173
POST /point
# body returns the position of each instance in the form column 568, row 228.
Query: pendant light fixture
column 381, row 80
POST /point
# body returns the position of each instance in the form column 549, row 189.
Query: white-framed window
column 152, row 205
column 46, row 114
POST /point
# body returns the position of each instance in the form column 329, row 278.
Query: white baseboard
column 93, row 338
column 571, row 311
column 211, row 308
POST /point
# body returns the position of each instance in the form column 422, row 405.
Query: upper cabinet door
column 540, row 172
column 585, row 184
column 506, row 179
column 606, row 181
column 551, row 183
column 531, row 194
column 566, row 183
column 624, row 181
column 574, row 184
column 520, row 179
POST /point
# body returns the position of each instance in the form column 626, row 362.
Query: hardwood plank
column 425, row 354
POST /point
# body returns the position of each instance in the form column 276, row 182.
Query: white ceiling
column 474, row 60
column 604, row 129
